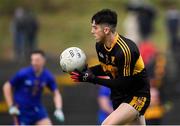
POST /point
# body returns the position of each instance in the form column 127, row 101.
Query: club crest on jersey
column 28, row 82
column 101, row 55
column 107, row 59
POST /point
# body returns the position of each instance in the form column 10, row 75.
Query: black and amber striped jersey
column 122, row 59
column 124, row 64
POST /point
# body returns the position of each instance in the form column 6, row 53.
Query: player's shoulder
column 47, row 72
column 104, row 91
column 25, row 70
column 103, row 88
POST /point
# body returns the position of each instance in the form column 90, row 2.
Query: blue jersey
column 105, row 92
column 28, row 87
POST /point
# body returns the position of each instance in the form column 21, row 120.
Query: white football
column 72, row 58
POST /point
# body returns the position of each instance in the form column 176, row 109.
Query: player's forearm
column 57, row 99
column 97, row 70
column 7, row 89
column 121, row 82
column 104, row 104
column 108, row 109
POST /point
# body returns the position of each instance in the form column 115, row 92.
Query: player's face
column 37, row 61
column 98, row 32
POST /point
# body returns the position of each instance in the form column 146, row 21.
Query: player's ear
column 107, row 30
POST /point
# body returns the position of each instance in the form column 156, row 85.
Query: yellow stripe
column 129, row 58
column 139, row 66
column 124, row 71
column 127, row 61
column 109, row 68
column 129, row 53
column 127, row 67
column 138, row 102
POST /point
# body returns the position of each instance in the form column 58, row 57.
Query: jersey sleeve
column 16, row 79
column 97, row 70
column 135, row 82
column 51, row 83
column 104, row 91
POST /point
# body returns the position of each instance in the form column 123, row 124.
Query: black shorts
column 140, row 103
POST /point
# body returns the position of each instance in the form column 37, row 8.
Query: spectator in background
column 131, row 25
column 158, row 106
column 146, row 16
column 155, row 112
column 173, row 23
column 139, row 21
column 18, row 31
column 31, row 30
column 155, row 64
column 173, row 26
column 148, row 51
column 24, row 28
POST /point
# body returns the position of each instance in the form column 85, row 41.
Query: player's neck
column 109, row 40
column 38, row 72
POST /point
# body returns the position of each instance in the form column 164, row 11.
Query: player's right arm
column 104, row 100
column 97, row 70
column 104, row 104
column 58, row 113
column 7, row 90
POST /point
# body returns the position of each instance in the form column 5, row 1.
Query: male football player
column 120, row 59
column 23, row 93
column 105, row 105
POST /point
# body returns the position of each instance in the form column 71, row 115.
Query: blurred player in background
column 105, row 105
column 24, row 90
column 121, row 60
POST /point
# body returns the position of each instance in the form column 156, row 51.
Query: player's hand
column 59, row 115
column 84, row 76
column 13, row 110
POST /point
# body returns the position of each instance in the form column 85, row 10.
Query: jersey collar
column 113, row 43
column 33, row 71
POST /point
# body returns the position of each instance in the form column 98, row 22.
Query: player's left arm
column 127, row 80
column 58, row 113
column 120, row 82
column 123, row 82
column 57, row 98
column 97, row 70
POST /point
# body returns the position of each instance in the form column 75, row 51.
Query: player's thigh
column 44, row 121
column 124, row 114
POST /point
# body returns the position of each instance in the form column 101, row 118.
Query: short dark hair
column 105, row 16
column 41, row 52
